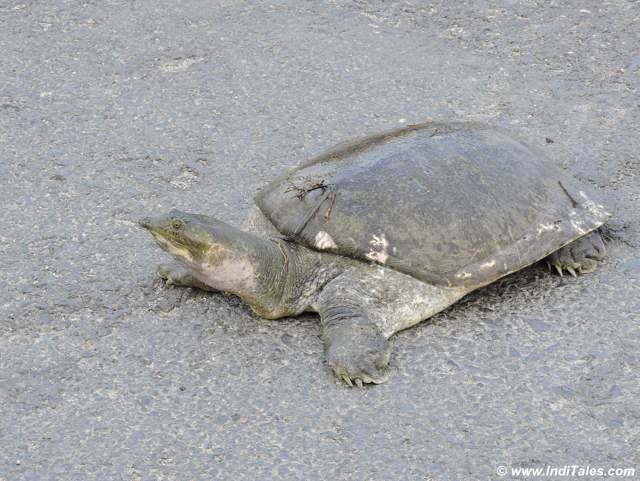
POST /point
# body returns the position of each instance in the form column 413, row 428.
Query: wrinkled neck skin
column 274, row 277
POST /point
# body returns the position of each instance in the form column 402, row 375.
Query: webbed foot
column 581, row 256
column 357, row 353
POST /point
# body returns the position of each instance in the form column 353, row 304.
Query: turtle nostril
column 144, row 222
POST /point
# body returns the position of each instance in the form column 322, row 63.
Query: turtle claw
column 559, row 269
column 362, row 379
column 347, row 379
column 579, row 257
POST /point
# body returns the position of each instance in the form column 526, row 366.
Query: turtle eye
column 176, row 224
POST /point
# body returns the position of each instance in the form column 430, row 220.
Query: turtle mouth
column 175, row 247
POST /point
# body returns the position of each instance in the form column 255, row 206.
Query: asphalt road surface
column 113, row 109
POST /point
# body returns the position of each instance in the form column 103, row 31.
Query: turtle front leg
column 177, row 275
column 580, row 256
column 356, row 349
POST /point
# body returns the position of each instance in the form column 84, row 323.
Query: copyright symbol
column 501, row 470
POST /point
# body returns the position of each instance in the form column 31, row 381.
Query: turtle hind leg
column 581, row 256
column 356, row 349
column 177, row 275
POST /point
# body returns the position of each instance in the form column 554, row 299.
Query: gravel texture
column 112, row 109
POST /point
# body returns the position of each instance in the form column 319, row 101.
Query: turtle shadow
column 516, row 289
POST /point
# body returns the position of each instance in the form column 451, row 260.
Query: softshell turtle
column 380, row 233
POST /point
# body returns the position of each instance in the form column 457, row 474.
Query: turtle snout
column 145, row 222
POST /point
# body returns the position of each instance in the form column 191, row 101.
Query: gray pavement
column 114, row 109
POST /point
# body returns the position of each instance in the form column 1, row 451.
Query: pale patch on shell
column 577, row 223
column 594, row 208
column 463, row 275
column 486, row 265
column 550, row 227
column 324, row 241
column 379, row 249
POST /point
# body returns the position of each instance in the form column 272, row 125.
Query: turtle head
column 191, row 238
column 221, row 256
column 265, row 273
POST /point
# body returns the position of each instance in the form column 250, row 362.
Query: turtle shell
column 452, row 204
